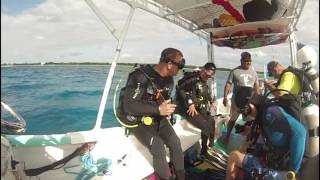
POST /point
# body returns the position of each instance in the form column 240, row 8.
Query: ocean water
column 57, row 99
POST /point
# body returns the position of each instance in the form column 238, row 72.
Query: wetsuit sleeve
column 136, row 89
column 288, row 82
column 186, row 91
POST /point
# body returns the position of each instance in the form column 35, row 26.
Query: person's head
column 275, row 69
column 207, row 71
column 171, row 61
column 251, row 110
column 245, row 60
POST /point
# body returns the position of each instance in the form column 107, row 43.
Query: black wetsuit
column 140, row 100
column 192, row 90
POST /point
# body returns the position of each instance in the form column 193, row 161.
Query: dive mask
column 179, row 65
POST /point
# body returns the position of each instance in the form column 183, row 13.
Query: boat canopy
column 238, row 24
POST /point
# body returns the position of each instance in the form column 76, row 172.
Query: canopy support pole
column 120, row 38
column 293, row 48
column 210, row 52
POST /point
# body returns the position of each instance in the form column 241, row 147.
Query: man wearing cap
column 287, row 80
column 147, row 91
column 245, row 81
column 278, row 142
column 195, row 102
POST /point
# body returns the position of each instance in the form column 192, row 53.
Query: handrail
column 12, row 127
column 120, row 40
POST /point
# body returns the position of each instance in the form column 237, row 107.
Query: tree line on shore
column 90, row 63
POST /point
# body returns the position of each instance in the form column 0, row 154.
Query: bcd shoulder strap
column 188, row 77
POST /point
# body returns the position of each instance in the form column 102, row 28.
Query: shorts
column 234, row 110
column 250, row 163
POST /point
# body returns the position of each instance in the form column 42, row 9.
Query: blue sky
column 14, row 7
column 68, row 31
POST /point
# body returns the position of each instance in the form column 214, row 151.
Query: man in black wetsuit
column 194, row 102
column 147, row 93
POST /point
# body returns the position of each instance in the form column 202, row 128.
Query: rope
column 59, row 164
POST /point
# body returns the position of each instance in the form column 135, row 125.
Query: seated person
column 195, row 102
column 284, row 144
column 146, row 94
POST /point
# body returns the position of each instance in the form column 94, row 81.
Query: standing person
column 195, row 102
column 148, row 89
column 245, row 81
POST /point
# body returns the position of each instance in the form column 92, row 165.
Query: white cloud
column 39, row 37
column 68, row 30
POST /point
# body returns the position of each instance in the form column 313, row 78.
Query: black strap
column 127, row 132
column 58, row 164
column 152, row 83
column 314, row 132
column 155, row 88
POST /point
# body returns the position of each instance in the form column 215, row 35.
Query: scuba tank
column 310, row 169
column 310, row 118
column 307, row 59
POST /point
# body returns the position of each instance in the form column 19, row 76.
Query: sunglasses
column 179, row 65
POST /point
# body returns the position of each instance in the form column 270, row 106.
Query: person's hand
column 213, row 106
column 225, row 101
column 166, row 108
column 269, row 82
column 192, row 110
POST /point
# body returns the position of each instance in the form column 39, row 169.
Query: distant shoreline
column 91, row 64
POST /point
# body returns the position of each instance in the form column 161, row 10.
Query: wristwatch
column 190, row 101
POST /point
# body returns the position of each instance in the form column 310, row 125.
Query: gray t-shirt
column 242, row 77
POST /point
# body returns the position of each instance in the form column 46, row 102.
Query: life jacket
column 201, row 90
column 131, row 121
column 304, row 79
column 188, row 77
column 289, row 102
column 275, row 158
